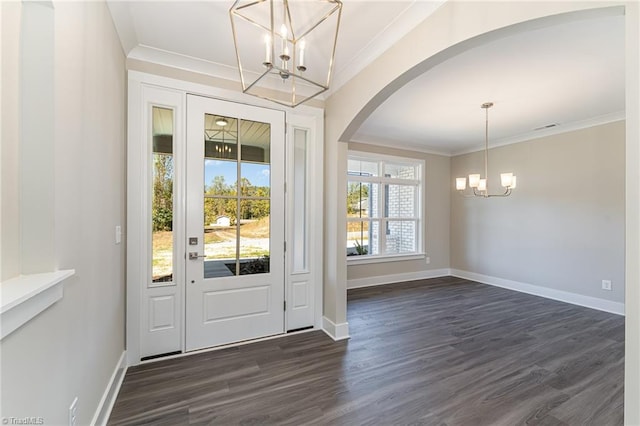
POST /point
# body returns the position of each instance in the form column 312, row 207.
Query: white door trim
column 296, row 315
column 137, row 234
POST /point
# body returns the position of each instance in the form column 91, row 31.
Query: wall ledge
column 24, row 297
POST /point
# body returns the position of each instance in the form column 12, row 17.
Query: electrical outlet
column 73, row 412
column 606, row 285
column 428, row 260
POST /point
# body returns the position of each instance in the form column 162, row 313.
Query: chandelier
column 285, row 49
column 476, row 182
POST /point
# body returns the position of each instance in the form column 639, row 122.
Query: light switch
column 118, row 234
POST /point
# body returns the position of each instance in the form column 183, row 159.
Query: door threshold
column 174, row 355
column 298, row 330
column 152, row 357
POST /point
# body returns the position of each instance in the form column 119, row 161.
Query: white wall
column 437, row 215
column 563, row 227
column 72, row 348
column 10, row 265
column 37, row 121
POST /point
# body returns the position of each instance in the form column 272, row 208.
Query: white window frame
column 381, row 180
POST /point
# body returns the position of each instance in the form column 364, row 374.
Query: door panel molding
column 162, row 312
column 225, row 304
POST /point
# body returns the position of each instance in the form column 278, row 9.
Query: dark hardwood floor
column 444, row 351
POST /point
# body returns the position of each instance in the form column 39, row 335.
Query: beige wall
column 436, row 231
column 10, row 265
column 72, row 348
column 564, row 225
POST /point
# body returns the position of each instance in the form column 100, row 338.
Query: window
column 384, row 207
column 162, row 244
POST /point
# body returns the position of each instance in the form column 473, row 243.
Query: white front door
column 235, row 212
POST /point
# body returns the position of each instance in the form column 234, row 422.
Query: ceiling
column 197, row 35
column 570, row 75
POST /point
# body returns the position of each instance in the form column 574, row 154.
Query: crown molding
column 387, row 37
column 183, row 62
column 397, row 144
column 523, row 137
column 198, row 65
column 561, row 128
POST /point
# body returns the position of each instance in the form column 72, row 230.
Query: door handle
column 193, row 255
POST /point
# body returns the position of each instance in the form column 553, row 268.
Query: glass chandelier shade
column 285, row 49
column 479, row 184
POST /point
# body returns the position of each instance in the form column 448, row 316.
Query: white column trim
column 335, row 331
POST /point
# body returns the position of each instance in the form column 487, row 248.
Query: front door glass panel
column 236, row 196
column 162, row 197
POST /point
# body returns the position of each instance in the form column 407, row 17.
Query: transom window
column 384, row 206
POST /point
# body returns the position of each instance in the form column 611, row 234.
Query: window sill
column 363, row 260
column 24, row 297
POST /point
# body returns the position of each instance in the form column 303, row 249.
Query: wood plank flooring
column 444, row 351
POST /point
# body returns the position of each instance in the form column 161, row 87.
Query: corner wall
column 437, row 213
column 562, row 228
column 72, row 348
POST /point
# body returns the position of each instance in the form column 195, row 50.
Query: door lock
column 193, row 255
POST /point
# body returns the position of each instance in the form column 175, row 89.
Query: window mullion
column 417, row 209
column 382, row 225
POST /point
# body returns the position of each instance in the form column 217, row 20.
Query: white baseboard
column 396, row 278
column 108, row 399
column 335, row 331
column 549, row 293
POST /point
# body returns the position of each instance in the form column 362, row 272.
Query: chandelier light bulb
column 474, row 180
column 267, row 50
column 301, row 65
column 461, row 184
column 284, row 51
column 482, row 185
column 506, row 179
